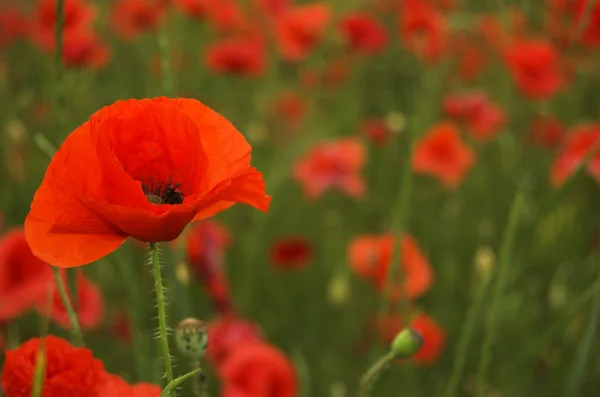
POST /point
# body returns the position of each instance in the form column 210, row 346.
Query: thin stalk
column 369, row 379
column 76, row 335
column 582, row 358
column 198, row 381
column 165, row 57
column 506, row 249
column 462, row 348
column 162, row 313
column 40, row 359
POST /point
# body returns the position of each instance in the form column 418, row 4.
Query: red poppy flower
column 121, row 327
column 196, row 9
column 24, row 279
column 142, row 169
column 13, row 25
column 70, row 371
column 377, row 131
column 422, row 29
column 363, row 33
column 273, row 8
column 132, row 17
column 206, row 242
column 483, row 118
column 291, row 252
column 115, row 386
column 535, row 67
column 576, row 147
column 226, row 333
column 78, row 15
column 332, row 164
column 470, row 57
column 300, row 29
column 226, row 16
column 370, row 256
column 441, row 154
column 258, row 369
column 291, row 106
column 434, row 336
column 576, row 12
column 547, row 131
column 243, row 56
column 84, row 48
column 89, row 304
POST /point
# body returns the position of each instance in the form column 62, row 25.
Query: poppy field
column 289, row 198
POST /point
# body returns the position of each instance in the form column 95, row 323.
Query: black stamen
column 163, row 193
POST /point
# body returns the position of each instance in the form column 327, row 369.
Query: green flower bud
column 406, row 343
column 191, row 338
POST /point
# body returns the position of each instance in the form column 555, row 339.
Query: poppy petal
column 49, row 228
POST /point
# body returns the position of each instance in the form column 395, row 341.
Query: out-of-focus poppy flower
column 363, row 33
column 273, row 8
column 291, row 252
column 228, row 332
column 300, row 29
column 547, row 131
column 121, row 327
column 291, row 106
column 258, row 369
column 206, row 242
column 226, row 16
column 371, row 255
column 84, row 48
column 142, row 169
column 576, row 147
column 434, row 335
column 377, row 131
column 115, row 386
column 78, row 15
column 242, row 55
column 441, row 153
column 24, row 279
column 576, row 12
column 336, row 72
column 483, row 118
column 332, row 164
column 196, row 9
column 13, row 25
column 70, row 371
column 89, row 304
column 535, row 67
column 422, row 29
column 471, row 59
column 131, row 17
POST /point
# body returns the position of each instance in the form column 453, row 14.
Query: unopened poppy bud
column 191, row 338
column 407, row 342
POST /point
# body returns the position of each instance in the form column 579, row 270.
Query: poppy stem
column 198, row 381
column 165, row 57
column 76, row 335
column 162, row 314
column 371, row 376
column 506, row 249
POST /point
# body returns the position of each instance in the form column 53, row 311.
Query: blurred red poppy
column 196, row 9
column 377, row 131
column 13, row 25
column 300, row 29
column 131, row 17
column 258, row 369
column 363, row 33
column 470, row 57
column 24, row 279
column 576, row 147
column 226, row 333
column 115, row 386
column 291, row 107
column 441, row 153
column 78, row 15
column 83, row 48
column 142, row 169
column 371, row 255
column 89, row 305
column 483, row 118
column 423, row 29
column 273, row 8
column 332, row 164
column 535, row 67
column 242, row 56
column 547, row 131
column 70, row 371
column 291, row 252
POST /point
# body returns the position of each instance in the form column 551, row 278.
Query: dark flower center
column 163, row 192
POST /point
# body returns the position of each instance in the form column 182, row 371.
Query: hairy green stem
column 198, row 381
column 370, row 377
column 506, row 249
column 76, row 335
column 162, row 313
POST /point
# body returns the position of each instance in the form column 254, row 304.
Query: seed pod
column 407, row 342
column 191, row 338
